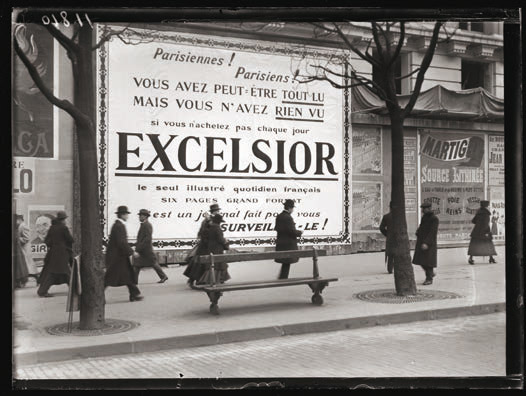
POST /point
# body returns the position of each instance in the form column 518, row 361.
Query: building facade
column 454, row 141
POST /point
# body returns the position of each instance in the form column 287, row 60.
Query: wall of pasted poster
column 496, row 192
column 452, row 178
column 189, row 120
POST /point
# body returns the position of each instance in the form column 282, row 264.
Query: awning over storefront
column 470, row 104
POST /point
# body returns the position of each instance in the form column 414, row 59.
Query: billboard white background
column 187, row 121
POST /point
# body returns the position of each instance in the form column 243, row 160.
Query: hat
column 19, row 216
column 122, row 210
column 214, row 207
column 144, row 212
column 289, row 203
column 426, row 205
column 61, row 215
column 484, row 204
column 218, row 218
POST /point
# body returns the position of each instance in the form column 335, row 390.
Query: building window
column 398, row 73
column 473, row 74
column 472, row 26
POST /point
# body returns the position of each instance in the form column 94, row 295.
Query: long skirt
column 221, row 275
column 481, row 247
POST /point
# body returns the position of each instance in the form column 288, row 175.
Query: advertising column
column 452, row 179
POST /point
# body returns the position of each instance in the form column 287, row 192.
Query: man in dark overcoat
column 385, row 225
column 119, row 271
column 59, row 256
column 426, row 242
column 481, row 243
column 287, row 237
column 146, row 256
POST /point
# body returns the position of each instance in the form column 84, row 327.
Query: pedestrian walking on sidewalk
column 287, row 238
column 481, row 243
column 59, row 256
column 119, row 271
column 23, row 235
column 144, row 248
column 216, row 244
column 20, row 272
column 385, row 225
column 194, row 270
column 426, row 243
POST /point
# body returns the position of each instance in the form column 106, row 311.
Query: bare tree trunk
column 92, row 273
column 403, row 268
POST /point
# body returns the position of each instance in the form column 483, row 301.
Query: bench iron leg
column 214, row 298
column 317, row 288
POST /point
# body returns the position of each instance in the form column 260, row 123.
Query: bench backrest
column 235, row 257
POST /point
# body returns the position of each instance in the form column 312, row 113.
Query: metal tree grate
column 389, row 296
column 111, row 326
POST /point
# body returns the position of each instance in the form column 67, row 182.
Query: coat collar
column 121, row 220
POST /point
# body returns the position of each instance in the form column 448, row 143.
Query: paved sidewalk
column 174, row 316
column 470, row 346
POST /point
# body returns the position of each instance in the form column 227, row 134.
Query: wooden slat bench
column 215, row 290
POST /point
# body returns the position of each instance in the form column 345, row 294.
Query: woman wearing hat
column 194, row 271
column 481, row 243
column 216, row 244
column 119, row 271
column 59, row 255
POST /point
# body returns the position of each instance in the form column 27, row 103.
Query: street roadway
column 467, row 346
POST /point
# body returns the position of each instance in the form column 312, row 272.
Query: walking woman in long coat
column 287, row 237
column 119, row 271
column 216, row 244
column 57, row 263
column 194, row 270
column 426, row 243
column 481, row 243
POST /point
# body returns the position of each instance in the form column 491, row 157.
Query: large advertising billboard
column 187, row 120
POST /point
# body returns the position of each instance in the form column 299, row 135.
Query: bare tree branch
column 353, row 48
column 64, row 40
column 108, row 36
column 63, row 104
column 379, row 49
column 423, row 68
column 400, row 44
column 408, row 75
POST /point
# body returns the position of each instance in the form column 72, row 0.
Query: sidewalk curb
column 206, row 339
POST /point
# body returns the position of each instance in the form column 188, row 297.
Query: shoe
column 163, row 279
column 492, row 261
column 389, row 272
column 138, row 297
column 45, row 295
column 427, row 282
column 471, row 261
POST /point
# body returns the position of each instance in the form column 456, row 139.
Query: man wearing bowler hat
column 144, row 249
column 426, row 242
column 287, row 237
column 119, row 271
